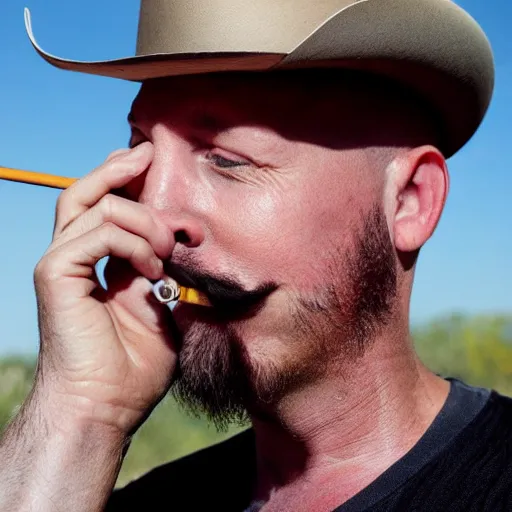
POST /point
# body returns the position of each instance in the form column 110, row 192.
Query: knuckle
column 124, row 166
column 62, row 200
column 65, row 202
column 107, row 231
column 39, row 270
column 107, row 206
column 116, row 163
column 116, row 153
column 48, row 268
column 143, row 247
column 142, row 250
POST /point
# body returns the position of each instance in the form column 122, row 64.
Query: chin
column 257, row 357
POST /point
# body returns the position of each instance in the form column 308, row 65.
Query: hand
column 106, row 357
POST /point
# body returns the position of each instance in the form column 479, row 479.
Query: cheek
column 286, row 238
column 253, row 230
column 293, row 229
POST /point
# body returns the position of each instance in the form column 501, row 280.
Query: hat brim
column 146, row 67
column 432, row 46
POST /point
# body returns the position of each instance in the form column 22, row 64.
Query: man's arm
column 107, row 356
column 50, row 463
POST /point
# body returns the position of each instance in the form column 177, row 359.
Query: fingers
column 120, row 168
column 116, row 153
column 92, row 224
column 134, row 217
column 76, row 258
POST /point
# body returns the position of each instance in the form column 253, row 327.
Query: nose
column 170, row 186
column 187, row 232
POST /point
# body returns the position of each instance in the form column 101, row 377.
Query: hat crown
column 195, row 26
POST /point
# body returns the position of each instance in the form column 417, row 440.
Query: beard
column 335, row 325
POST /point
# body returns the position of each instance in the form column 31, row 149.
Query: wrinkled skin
column 287, row 201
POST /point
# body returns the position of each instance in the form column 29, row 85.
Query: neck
column 344, row 431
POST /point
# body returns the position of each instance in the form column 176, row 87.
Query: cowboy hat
column 432, row 46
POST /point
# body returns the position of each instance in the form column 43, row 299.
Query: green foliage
column 168, row 434
column 15, row 383
column 477, row 350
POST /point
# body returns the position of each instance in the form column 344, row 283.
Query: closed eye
column 222, row 162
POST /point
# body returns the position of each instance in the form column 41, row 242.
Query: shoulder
column 195, row 481
column 472, row 474
column 483, row 450
column 475, row 472
column 495, row 419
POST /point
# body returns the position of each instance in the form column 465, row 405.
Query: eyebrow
column 209, row 122
column 203, row 121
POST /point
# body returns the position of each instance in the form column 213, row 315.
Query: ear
column 417, row 187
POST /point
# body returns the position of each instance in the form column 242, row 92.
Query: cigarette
column 166, row 291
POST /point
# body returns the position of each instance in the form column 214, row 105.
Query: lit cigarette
column 165, row 291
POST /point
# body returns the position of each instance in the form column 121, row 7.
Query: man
column 288, row 160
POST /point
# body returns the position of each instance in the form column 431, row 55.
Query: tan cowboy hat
column 433, row 46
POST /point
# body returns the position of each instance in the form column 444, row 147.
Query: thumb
column 131, row 298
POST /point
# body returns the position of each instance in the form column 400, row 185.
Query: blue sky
column 66, row 123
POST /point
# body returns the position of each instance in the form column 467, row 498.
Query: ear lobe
column 421, row 187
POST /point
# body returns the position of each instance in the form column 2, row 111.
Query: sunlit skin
column 278, row 216
column 259, row 184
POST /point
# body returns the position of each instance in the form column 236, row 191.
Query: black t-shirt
column 463, row 463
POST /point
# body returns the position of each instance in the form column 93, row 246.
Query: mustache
column 223, row 292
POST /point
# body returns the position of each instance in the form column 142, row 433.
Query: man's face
column 295, row 252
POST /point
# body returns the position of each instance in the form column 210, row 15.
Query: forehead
column 327, row 107
column 234, row 95
column 297, row 105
